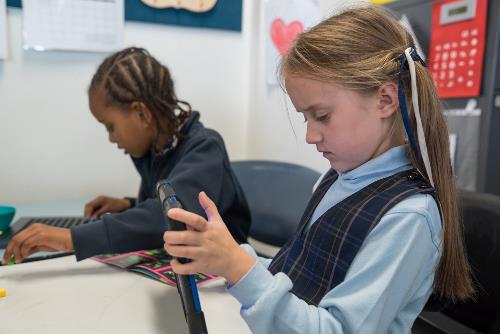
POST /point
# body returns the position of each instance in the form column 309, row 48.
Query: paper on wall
column 84, row 25
column 284, row 20
column 3, row 30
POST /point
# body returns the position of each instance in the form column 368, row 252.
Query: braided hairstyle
column 133, row 75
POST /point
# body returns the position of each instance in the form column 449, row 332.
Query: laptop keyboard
column 56, row 221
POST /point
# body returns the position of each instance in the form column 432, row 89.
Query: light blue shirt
column 386, row 286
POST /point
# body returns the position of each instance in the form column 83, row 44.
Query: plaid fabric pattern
column 317, row 260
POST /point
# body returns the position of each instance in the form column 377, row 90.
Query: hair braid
column 133, row 75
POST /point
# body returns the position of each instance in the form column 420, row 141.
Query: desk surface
column 62, row 296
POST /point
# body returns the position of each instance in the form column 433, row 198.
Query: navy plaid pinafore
column 317, row 259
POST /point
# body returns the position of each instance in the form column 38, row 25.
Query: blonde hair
column 359, row 49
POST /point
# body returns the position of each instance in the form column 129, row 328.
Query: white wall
column 52, row 148
column 276, row 131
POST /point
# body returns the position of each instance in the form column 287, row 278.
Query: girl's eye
column 305, row 118
column 323, row 118
column 109, row 128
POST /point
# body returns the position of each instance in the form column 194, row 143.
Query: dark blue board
column 226, row 14
column 14, row 3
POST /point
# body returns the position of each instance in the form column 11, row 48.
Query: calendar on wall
column 457, row 47
column 89, row 25
column 3, row 30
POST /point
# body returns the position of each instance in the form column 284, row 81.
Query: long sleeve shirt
column 198, row 163
column 386, row 286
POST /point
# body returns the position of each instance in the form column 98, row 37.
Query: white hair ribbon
column 422, row 143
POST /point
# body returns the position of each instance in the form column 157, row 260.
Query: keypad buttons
column 454, row 60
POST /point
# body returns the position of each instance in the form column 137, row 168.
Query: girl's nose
column 111, row 137
column 313, row 136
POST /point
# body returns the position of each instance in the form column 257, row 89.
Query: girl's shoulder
column 425, row 208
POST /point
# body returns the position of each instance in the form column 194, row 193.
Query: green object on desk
column 11, row 262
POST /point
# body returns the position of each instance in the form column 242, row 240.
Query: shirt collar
column 183, row 130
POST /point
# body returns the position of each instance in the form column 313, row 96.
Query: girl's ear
column 387, row 96
column 142, row 112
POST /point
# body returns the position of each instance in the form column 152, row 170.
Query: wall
column 52, row 148
column 277, row 131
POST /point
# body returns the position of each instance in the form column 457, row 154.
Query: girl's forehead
column 98, row 97
column 307, row 88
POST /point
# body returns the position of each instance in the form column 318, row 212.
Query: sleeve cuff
column 90, row 239
column 247, row 248
column 132, row 201
column 251, row 286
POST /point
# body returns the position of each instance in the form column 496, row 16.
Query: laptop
column 24, row 222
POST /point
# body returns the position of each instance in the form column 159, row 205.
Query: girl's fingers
column 87, row 211
column 184, row 268
column 182, row 238
column 187, row 252
column 188, row 218
column 209, row 206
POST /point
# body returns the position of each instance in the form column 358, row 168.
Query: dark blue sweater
column 198, row 163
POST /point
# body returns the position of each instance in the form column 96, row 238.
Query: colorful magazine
column 153, row 263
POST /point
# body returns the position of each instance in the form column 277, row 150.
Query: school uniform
column 199, row 162
column 362, row 261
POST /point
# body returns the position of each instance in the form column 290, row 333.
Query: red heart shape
column 283, row 35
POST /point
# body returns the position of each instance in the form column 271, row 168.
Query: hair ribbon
column 407, row 61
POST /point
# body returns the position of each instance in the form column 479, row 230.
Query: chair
column 277, row 194
column 481, row 221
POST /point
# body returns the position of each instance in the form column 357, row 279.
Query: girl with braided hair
column 133, row 96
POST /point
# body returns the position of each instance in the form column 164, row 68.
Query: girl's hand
column 38, row 238
column 208, row 244
column 102, row 204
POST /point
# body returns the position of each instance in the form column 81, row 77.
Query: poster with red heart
column 285, row 20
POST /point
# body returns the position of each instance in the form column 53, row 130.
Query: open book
column 153, row 263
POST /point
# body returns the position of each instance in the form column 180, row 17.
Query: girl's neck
column 164, row 139
column 394, row 138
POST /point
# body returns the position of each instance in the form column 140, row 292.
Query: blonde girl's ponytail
column 362, row 48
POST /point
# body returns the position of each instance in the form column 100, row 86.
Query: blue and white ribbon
column 409, row 57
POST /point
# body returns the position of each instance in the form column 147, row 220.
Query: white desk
column 62, row 296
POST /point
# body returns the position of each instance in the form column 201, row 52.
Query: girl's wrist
column 240, row 264
column 68, row 240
